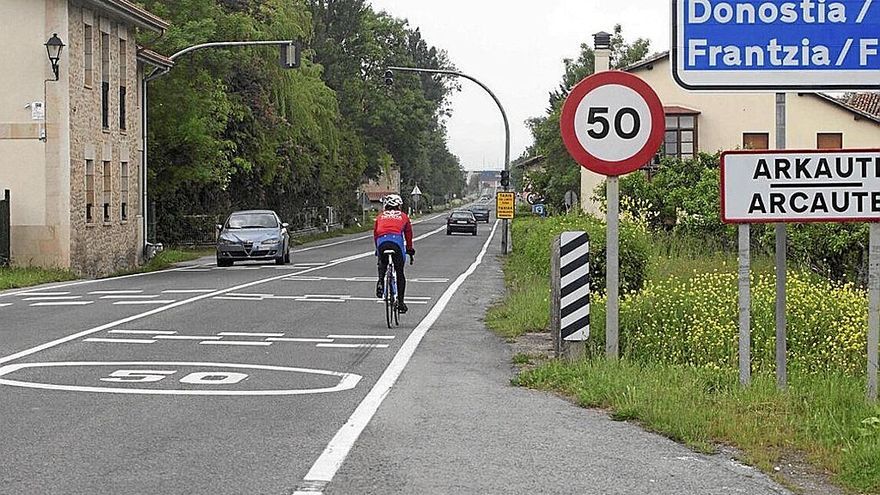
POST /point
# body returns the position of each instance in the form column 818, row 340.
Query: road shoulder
column 453, row 423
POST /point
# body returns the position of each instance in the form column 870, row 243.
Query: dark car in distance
column 481, row 213
column 461, row 221
column 253, row 235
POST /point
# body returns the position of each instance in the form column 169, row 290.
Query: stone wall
column 103, row 246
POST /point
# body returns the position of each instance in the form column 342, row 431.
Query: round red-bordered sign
column 612, row 123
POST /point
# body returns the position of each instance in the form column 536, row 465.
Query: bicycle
column 389, row 295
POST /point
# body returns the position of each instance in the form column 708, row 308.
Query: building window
column 123, row 190
column 681, row 136
column 105, row 80
column 90, row 191
column 829, row 140
column 756, row 141
column 107, row 191
column 88, row 48
column 123, row 77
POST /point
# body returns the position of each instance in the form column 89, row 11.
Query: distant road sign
column 800, row 186
column 539, row 210
column 505, row 205
column 776, row 45
column 533, row 198
column 612, row 123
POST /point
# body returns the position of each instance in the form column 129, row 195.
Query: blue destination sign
column 776, row 44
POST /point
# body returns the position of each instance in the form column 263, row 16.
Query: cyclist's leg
column 382, row 266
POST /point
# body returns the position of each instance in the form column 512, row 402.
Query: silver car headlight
column 226, row 242
column 270, row 242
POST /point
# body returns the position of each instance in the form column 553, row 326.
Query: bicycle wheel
column 390, row 298
column 396, row 314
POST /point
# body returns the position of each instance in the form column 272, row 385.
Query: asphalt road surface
column 264, row 379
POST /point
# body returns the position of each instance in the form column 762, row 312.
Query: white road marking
column 85, row 282
column 238, row 298
column 64, row 303
column 145, row 332
column 186, row 337
column 41, row 293
column 129, row 296
column 377, row 337
column 347, row 381
column 110, row 292
column 304, row 299
column 143, row 303
column 299, row 339
column 121, row 341
column 129, row 319
column 188, row 291
column 310, row 264
column 249, row 334
column 3, row 305
column 52, row 298
column 354, row 346
column 364, row 279
column 235, row 342
column 326, row 466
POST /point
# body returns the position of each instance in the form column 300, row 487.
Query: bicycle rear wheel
column 390, row 298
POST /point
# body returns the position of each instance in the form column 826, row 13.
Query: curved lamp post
column 389, row 79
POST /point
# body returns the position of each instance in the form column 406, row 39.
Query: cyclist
column 393, row 231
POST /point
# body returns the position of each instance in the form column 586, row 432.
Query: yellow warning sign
column 505, row 205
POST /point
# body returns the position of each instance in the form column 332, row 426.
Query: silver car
column 253, row 235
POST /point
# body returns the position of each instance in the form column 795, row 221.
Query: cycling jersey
column 393, row 226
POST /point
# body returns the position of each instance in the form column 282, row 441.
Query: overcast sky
column 516, row 48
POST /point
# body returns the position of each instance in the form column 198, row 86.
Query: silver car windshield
column 252, row 221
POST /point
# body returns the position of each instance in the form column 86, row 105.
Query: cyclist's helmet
column 392, row 202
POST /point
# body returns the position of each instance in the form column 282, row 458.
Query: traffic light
column 505, row 178
column 389, row 78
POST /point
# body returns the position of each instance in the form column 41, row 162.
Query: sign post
column 612, row 124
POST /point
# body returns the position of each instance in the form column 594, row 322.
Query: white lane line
column 186, row 337
column 316, row 300
column 249, row 334
column 377, row 337
column 63, row 303
column 52, row 298
column 145, row 332
column 188, row 291
column 114, row 324
column 310, row 264
column 326, row 466
column 34, row 291
column 300, row 339
column 110, row 292
column 129, row 296
column 143, row 303
column 120, row 341
column 235, row 342
column 353, row 346
column 238, row 298
column 3, row 305
column 40, row 294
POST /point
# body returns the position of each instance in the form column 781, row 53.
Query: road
column 264, row 379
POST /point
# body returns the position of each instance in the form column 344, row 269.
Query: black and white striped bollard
column 570, row 301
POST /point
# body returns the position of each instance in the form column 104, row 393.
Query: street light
column 54, row 47
column 389, row 80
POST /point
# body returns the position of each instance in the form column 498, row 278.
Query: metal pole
column 781, row 334
column 505, row 229
column 612, row 281
column 873, row 310
column 216, row 44
column 745, row 305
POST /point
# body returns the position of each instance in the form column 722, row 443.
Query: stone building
column 71, row 149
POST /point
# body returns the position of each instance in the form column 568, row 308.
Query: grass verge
column 825, row 417
column 17, row 277
column 167, row 259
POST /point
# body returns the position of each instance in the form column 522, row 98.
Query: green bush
column 533, row 238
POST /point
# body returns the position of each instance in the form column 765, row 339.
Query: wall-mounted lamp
column 54, row 47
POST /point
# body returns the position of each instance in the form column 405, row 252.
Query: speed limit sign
column 612, row 123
